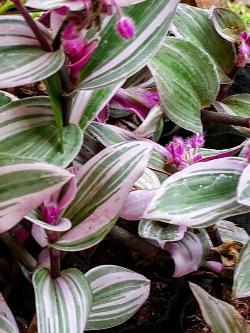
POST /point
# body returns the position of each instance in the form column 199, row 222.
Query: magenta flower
column 185, row 152
column 77, row 48
column 244, row 49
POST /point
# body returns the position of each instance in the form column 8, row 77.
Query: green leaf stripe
column 241, row 285
column 62, row 304
column 117, row 294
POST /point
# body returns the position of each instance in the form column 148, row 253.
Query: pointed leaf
column 27, row 129
column 161, row 231
column 148, row 180
column 22, row 59
column 149, row 126
column 87, row 104
column 193, row 24
column 103, row 185
column 241, row 285
column 116, row 58
column 117, row 294
column 243, row 189
column 228, row 24
column 51, row 4
column 220, row 316
column 187, row 80
column 231, row 232
column 25, row 184
column 110, row 135
column 62, row 304
column 6, row 315
column 199, row 195
column 6, row 326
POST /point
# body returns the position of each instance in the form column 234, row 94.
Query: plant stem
column 19, row 252
column 69, row 91
column 214, row 235
column 33, row 26
column 222, row 118
column 55, row 263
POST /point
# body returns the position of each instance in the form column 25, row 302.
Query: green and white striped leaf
column 25, row 184
column 228, row 24
column 62, row 304
column 7, row 320
column 241, row 285
column 150, row 125
column 236, row 105
column 6, row 98
column 22, row 59
column 243, row 189
column 194, row 24
column 51, row 4
column 87, row 104
column 220, row 316
column 110, row 135
column 103, row 185
column 117, row 58
column 199, row 195
column 231, row 232
column 187, row 80
column 161, row 231
column 118, row 293
column 27, row 129
column 148, row 180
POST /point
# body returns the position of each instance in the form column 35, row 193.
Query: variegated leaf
column 7, row 320
column 148, row 180
column 228, row 24
column 231, row 232
column 161, row 231
column 117, row 294
column 25, row 184
column 211, row 154
column 103, row 185
column 241, row 285
column 193, row 24
column 117, row 58
column 187, row 80
column 6, row 98
column 199, row 195
column 188, row 253
column 110, row 135
column 149, row 126
column 220, row 316
column 22, row 59
column 243, row 189
column 27, row 129
column 51, row 4
column 87, row 104
column 236, row 105
column 62, row 304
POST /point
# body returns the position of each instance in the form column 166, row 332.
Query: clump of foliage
column 68, row 172
column 241, row 9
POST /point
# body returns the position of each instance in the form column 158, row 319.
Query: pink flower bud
column 125, row 27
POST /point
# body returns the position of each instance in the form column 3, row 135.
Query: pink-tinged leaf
column 215, row 266
column 103, row 185
column 62, row 304
column 39, row 234
column 22, row 59
column 62, row 225
column 74, row 5
column 135, row 204
column 148, row 181
column 187, row 253
column 103, row 115
column 149, row 125
column 125, row 3
column 243, row 189
column 212, row 154
column 25, row 184
column 7, row 315
column 43, row 259
column 57, row 17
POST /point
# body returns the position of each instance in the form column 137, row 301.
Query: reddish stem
column 223, row 118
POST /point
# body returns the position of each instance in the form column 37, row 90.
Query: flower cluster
column 244, row 50
column 185, row 152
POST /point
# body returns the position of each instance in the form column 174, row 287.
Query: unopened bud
column 125, row 27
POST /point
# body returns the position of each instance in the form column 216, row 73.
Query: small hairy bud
column 125, row 27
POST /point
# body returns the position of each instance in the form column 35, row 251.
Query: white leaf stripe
column 221, row 316
column 51, row 4
column 117, row 294
column 103, row 184
column 22, row 59
column 199, row 195
column 115, row 58
column 62, row 304
column 241, row 285
column 25, row 184
column 87, row 104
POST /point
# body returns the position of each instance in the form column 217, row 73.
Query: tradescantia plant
column 109, row 80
